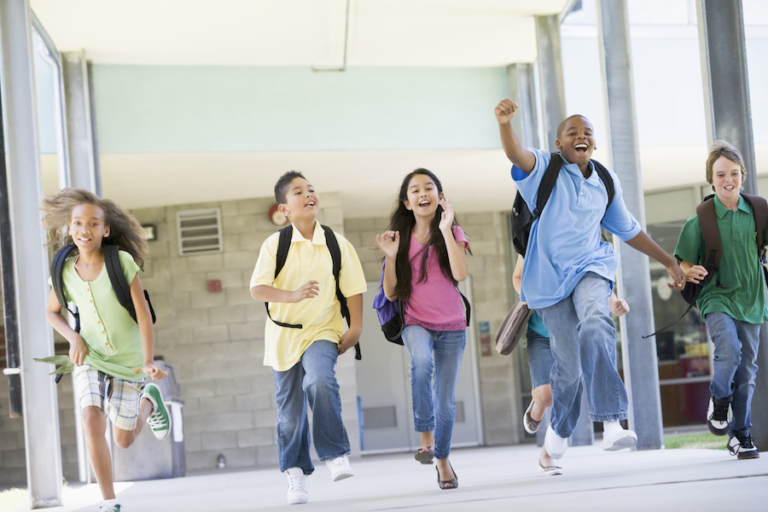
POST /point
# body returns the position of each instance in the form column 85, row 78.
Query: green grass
column 14, row 500
column 698, row 441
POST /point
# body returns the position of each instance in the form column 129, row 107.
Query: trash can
column 149, row 458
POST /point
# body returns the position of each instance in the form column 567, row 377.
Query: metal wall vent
column 379, row 417
column 199, row 231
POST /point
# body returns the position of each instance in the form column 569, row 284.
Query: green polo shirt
column 742, row 295
column 109, row 331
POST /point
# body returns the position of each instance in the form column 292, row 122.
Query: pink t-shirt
column 435, row 303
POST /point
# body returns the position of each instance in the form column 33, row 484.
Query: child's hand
column 389, row 242
column 308, row 291
column 505, row 111
column 154, row 371
column 446, row 219
column 677, row 275
column 348, row 340
column 619, row 307
column 696, row 274
column 78, row 350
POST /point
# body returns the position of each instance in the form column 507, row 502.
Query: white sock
column 555, row 444
column 110, row 503
column 611, row 426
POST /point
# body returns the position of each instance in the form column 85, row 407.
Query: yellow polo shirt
column 308, row 260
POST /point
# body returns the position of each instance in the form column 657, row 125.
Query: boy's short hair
column 281, row 187
column 723, row 148
column 561, row 126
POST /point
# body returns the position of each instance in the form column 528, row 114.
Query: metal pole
column 522, row 90
column 30, row 259
column 553, row 103
column 729, row 116
column 551, row 76
column 641, row 372
column 80, row 137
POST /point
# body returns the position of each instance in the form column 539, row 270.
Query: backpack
column 523, row 218
column 284, row 245
column 120, row 285
column 713, row 247
column 391, row 313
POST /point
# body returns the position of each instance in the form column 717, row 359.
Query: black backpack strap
column 120, row 285
column 607, row 180
column 467, row 307
column 713, row 249
column 57, row 280
column 333, row 248
column 283, row 246
column 760, row 212
column 547, row 183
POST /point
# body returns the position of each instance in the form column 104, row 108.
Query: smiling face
column 301, row 201
column 726, row 179
column 423, row 196
column 88, row 227
column 576, row 140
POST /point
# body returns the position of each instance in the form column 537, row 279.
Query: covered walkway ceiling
column 298, row 32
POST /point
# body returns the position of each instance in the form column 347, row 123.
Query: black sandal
column 448, row 484
column 425, row 455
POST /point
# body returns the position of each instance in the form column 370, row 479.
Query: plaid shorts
column 98, row 389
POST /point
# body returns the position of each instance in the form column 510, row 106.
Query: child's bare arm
column 77, row 347
column 350, row 338
column 265, row 293
column 456, row 250
column 643, row 243
column 146, row 330
column 523, row 158
column 517, row 275
column 389, row 243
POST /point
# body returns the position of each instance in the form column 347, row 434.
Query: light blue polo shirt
column 565, row 244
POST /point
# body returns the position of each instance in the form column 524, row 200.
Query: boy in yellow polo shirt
column 303, row 359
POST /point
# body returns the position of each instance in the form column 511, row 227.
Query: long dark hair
column 402, row 221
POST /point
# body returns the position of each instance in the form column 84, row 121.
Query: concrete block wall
column 492, row 291
column 215, row 341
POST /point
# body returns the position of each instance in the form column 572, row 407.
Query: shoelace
column 158, row 420
column 338, row 462
column 746, row 443
column 296, row 483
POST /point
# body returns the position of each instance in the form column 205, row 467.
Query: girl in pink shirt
column 424, row 259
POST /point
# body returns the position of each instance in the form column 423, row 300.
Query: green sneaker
column 160, row 419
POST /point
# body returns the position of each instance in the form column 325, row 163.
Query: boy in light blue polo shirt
column 568, row 276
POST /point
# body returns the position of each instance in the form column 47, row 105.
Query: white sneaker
column 298, row 484
column 555, row 444
column 618, row 440
column 340, row 468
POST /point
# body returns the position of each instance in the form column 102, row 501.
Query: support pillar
column 81, row 137
column 25, row 191
column 521, row 89
column 727, row 110
column 553, row 103
column 641, row 371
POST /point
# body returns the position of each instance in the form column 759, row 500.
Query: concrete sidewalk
column 490, row 479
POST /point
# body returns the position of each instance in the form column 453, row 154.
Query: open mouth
column 311, row 204
column 581, row 148
column 424, row 203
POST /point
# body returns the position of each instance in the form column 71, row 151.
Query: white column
column 41, row 418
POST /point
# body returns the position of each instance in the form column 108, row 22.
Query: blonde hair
column 125, row 230
column 724, row 149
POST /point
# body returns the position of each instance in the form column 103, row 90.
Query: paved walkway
column 490, row 479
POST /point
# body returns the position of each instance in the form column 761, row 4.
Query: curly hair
column 125, row 230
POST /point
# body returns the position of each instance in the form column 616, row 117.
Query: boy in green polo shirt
column 732, row 303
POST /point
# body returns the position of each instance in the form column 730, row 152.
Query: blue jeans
column 434, row 405
column 583, row 340
column 311, row 381
column 735, row 365
column 540, row 359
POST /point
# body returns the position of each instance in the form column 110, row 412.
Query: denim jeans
column 434, row 404
column 583, row 340
column 735, row 365
column 540, row 359
column 311, row 381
